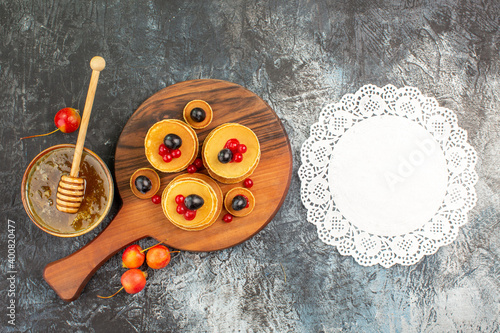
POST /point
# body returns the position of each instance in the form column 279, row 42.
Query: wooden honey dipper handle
column 97, row 64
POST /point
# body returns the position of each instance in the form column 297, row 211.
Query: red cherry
column 189, row 214
column 179, row 199
column 192, row 168
column 133, row 280
column 248, row 183
column 242, row 148
column 181, row 209
column 167, row 158
column 158, row 257
column 238, row 157
column 198, row 163
column 163, row 150
column 176, row 153
column 227, row 218
column 67, row 120
column 133, row 257
column 156, row 199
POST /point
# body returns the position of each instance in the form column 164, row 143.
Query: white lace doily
column 387, row 175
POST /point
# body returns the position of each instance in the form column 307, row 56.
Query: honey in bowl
column 40, row 188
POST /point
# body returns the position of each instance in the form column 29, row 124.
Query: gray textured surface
column 297, row 55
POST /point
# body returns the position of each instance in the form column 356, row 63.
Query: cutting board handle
column 68, row 276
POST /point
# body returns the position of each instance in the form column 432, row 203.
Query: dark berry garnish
column 227, row 218
column 156, row 199
column 172, row 141
column 248, row 183
column 191, row 168
column 193, row 202
column 225, row 156
column 143, row 184
column 198, row 115
column 239, row 202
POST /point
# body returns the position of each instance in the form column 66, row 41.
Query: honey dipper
column 71, row 189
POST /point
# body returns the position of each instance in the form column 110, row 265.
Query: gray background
column 298, row 56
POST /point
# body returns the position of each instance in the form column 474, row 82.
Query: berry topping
column 190, row 214
column 193, row 202
column 181, row 209
column 225, row 156
column 242, row 149
column 156, row 199
column 198, row 115
column 227, row 218
column 179, row 199
column 237, row 157
column 239, row 202
column 143, row 184
column 176, row 153
column 192, row 168
column 172, row 141
column 167, row 158
column 163, row 150
column 198, row 163
column 232, row 144
column 248, row 183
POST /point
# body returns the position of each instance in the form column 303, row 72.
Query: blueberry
column 143, row 184
column 198, row 115
column 193, row 202
column 172, row 141
column 239, row 202
column 225, row 156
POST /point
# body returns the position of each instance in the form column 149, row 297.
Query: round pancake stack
column 154, row 138
column 188, row 184
column 230, row 173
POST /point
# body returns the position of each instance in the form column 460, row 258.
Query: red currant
column 176, row 153
column 238, row 157
column 167, row 158
column 163, row 150
column 198, row 163
column 248, row 183
column 181, row 209
column 248, row 202
column 179, row 199
column 232, row 144
column 189, row 214
column 156, row 199
column 242, row 148
column 227, row 218
column 192, row 168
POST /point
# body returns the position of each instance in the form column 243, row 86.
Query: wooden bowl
column 39, row 222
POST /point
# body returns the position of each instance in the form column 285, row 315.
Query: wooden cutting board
column 141, row 218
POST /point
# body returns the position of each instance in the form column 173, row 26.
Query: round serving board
column 141, row 218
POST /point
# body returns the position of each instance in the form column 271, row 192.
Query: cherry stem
column 34, row 136
column 151, row 247
column 111, row 295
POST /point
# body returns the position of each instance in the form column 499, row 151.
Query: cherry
column 179, row 199
column 67, row 120
column 237, row 157
column 167, row 158
column 190, row 214
column 192, row 168
column 158, row 257
column 133, row 257
column 156, row 199
column 176, row 153
column 134, row 280
column 248, row 183
column 242, row 148
column 227, row 218
column 163, row 150
column 198, row 163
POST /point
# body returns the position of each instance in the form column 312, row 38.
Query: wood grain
column 140, row 218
